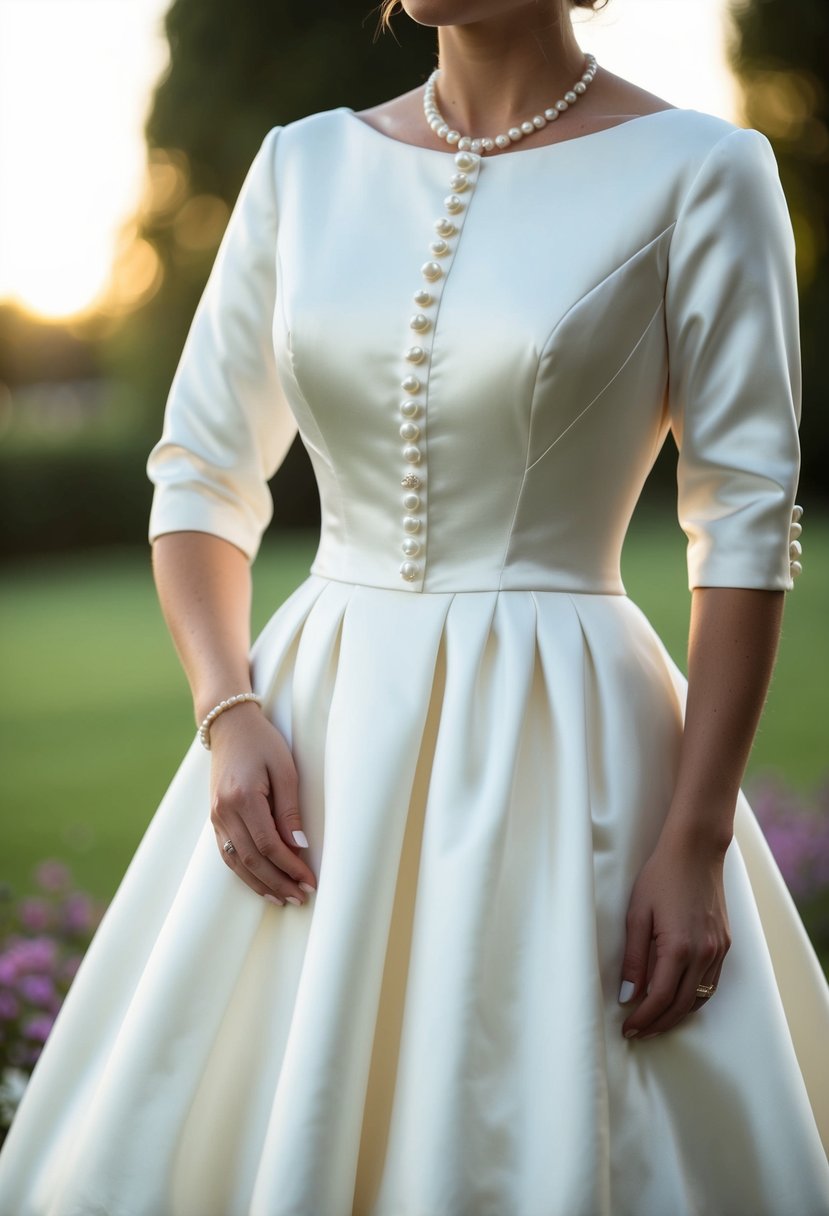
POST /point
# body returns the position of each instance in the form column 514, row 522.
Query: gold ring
column 706, row 990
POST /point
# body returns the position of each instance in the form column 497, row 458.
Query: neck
column 506, row 68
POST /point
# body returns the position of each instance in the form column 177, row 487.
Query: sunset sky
column 75, row 84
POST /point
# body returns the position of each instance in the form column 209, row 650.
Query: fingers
column 635, row 969
column 680, row 966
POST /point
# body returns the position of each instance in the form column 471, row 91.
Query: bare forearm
column 732, row 645
column 204, row 587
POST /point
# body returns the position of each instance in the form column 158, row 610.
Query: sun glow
column 75, row 83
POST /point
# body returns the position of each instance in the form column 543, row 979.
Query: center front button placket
column 412, row 407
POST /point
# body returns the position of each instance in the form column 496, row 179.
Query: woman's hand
column 677, row 935
column 253, row 802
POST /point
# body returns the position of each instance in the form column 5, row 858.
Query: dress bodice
column 484, row 355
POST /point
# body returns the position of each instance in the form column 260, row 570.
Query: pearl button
column 453, row 203
column 440, row 248
column 795, row 549
column 795, row 568
column 415, row 354
column 411, row 454
column 422, row 298
column 795, row 530
column 419, row 322
column 410, row 431
column 445, row 227
column 409, row 570
column 410, row 385
column 411, row 523
column 459, row 182
column 464, row 161
column 431, row 270
column 411, row 501
column 410, row 547
column 409, row 408
column 797, row 512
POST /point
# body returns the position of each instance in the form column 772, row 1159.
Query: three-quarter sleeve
column 227, row 426
column 734, row 375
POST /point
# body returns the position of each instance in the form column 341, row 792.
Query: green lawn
column 97, row 714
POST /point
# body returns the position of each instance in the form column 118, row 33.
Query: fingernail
column 274, row 899
column 300, row 838
column 292, row 899
column 626, row 991
column 306, row 886
column 629, row 1034
column 654, row 1035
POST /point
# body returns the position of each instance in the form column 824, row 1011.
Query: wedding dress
column 482, row 357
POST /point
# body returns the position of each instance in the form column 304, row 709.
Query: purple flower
column 52, row 875
column 78, row 913
column 38, row 1027
column 37, row 989
column 35, row 953
column 9, row 1006
column 35, row 914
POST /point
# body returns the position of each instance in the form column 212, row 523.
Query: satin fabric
column 487, row 750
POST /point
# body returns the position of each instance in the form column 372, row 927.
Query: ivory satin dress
column 486, row 728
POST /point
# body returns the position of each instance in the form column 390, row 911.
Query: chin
column 466, row 12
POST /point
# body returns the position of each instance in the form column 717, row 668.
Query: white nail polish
column 274, row 899
column 626, row 991
column 300, row 838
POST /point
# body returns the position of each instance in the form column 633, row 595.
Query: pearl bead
column 795, row 530
column 570, row 97
column 580, row 87
column 431, row 270
column 527, row 128
column 410, row 385
column 409, row 431
column 409, row 408
column 415, row 354
column 411, row 501
column 423, row 298
column 551, row 115
column 411, row 524
column 515, row 134
column 465, row 143
column 477, row 144
column 452, row 137
column 459, row 182
column 503, row 141
column 411, row 454
column 443, row 130
column 561, row 106
column 487, row 144
column 795, row 568
column 464, row 161
column 452, row 203
column 409, row 570
column 419, row 322
column 539, row 121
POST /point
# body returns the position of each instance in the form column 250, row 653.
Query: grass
column 97, row 713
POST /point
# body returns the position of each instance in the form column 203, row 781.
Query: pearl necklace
column 484, row 144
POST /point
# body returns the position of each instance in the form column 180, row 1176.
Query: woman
column 540, row 960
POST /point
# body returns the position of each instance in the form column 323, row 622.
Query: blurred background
column 126, row 128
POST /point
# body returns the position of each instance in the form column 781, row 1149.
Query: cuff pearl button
column 795, row 548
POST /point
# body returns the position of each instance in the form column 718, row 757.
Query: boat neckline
column 560, row 143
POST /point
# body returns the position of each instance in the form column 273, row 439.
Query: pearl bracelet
column 204, row 729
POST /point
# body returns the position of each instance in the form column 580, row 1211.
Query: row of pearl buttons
column 417, row 356
column 795, row 548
